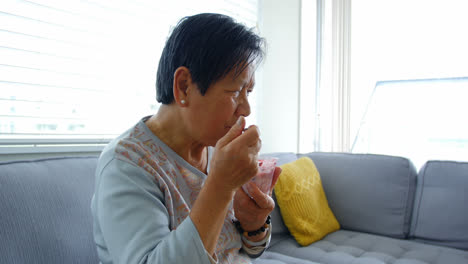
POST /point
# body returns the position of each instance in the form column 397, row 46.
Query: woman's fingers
column 234, row 161
column 261, row 199
column 248, row 212
column 251, row 137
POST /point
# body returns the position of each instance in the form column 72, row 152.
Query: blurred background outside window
column 409, row 78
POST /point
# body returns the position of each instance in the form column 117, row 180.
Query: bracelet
column 264, row 242
column 262, row 229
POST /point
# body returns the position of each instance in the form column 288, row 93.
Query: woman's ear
column 182, row 80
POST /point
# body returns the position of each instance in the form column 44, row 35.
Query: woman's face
column 211, row 116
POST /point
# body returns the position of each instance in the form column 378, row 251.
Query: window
column 421, row 119
column 81, row 72
column 408, row 78
column 389, row 78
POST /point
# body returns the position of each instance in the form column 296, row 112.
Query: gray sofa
column 388, row 213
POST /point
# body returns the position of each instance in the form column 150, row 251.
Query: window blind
column 81, row 72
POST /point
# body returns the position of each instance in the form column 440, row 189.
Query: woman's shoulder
column 132, row 146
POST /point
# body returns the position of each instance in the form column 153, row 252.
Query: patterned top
column 144, row 193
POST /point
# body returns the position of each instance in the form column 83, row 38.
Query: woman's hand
column 234, row 160
column 252, row 212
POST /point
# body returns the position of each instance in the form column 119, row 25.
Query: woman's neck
column 167, row 126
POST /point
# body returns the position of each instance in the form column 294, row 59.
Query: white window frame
column 341, row 62
column 34, row 146
column 333, row 93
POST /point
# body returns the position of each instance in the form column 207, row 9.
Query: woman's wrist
column 254, row 235
column 256, row 238
column 219, row 189
column 249, row 242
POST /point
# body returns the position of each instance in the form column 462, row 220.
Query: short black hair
column 210, row 46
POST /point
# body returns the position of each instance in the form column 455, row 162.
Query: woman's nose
column 243, row 108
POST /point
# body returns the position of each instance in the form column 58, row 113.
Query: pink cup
column 266, row 169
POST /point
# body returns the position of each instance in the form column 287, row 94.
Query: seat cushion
column 45, row 211
column 346, row 247
column 277, row 258
column 441, row 204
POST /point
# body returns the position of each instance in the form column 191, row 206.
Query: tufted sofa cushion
column 360, row 248
column 441, row 204
column 277, row 258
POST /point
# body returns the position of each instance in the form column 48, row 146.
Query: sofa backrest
column 441, row 204
column 45, row 214
column 367, row 193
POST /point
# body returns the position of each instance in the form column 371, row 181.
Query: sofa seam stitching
column 423, row 176
column 406, row 201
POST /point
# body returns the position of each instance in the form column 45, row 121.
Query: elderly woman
column 168, row 189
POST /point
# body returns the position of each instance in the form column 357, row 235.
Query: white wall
column 278, row 102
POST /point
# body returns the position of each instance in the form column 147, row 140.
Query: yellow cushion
column 303, row 204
